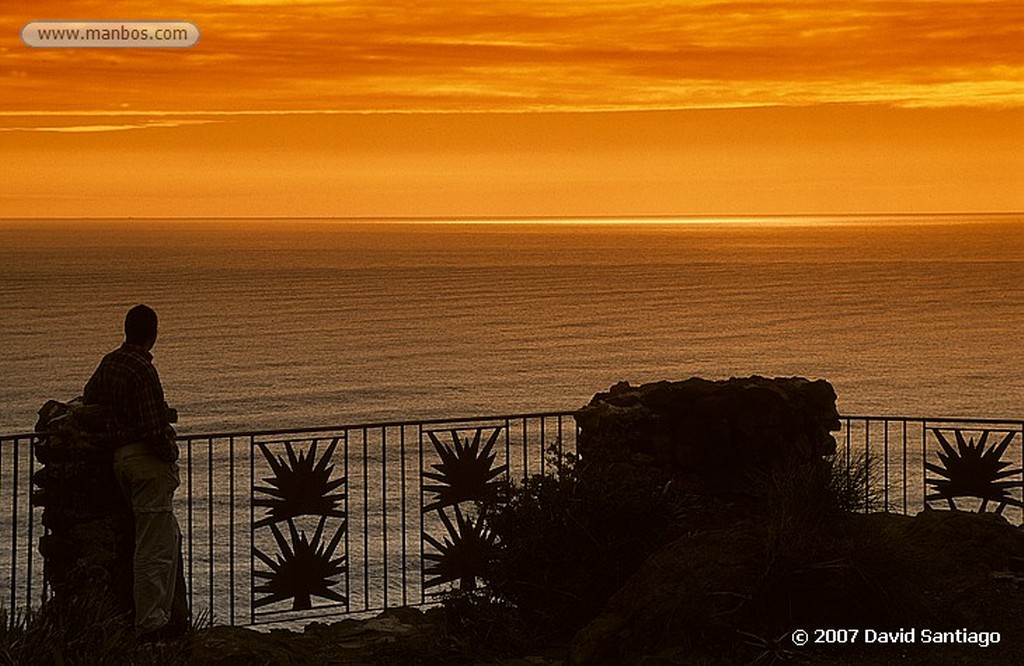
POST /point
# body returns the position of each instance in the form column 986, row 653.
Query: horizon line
column 509, row 218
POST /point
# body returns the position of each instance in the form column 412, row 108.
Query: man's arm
column 91, row 393
column 153, row 416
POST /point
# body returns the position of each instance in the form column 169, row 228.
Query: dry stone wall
column 87, row 550
column 708, row 433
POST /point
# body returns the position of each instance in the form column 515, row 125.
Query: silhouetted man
column 128, row 385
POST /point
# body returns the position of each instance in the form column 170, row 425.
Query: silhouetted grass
column 805, row 503
column 817, row 548
column 86, row 632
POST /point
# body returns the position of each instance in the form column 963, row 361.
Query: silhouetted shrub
column 568, row 541
column 805, row 503
column 79, row 630
column 814, row 553
column 485, row 627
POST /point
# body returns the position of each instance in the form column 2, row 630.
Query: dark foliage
column 484, row 628
column 814, row 552
column 86, row 631
column 567, row 542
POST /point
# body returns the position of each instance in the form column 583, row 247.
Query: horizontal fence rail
column 289, row 525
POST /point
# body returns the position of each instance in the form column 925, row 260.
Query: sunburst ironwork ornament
column 300, row 486
column 462, row 555
column 303, row 569
column 466, row 471
column 974, row 470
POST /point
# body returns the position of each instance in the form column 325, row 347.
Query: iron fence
column 19, row 526
column 282, row 525
column 968, row 464
column 289, row 525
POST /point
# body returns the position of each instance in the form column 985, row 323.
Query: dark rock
column 672, row 600
column 235, row 646
column 716, row 430
column 732, row 588
column 704, row 597
column 348, row 641
column 88, row 552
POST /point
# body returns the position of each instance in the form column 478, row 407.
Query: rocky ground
column 706, row 599
column 397, row 636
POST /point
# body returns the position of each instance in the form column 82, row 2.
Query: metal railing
column 20, row 526
column 289, row 525
column 258, row 509
column 907, row 470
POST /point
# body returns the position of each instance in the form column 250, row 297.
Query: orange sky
column 519, row 108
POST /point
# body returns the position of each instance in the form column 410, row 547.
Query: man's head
column 140, row 327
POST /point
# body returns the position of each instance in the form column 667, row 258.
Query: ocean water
column 291, row 323
column 285, row 324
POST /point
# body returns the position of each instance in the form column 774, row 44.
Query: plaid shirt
column 127, row 383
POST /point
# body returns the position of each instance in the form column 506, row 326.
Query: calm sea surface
column 268, row 324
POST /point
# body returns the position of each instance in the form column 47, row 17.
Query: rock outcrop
column 88, row 550
column 709, row 432
column 732, row 588
column 714, row 597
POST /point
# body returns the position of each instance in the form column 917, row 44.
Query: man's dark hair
column 140, row 325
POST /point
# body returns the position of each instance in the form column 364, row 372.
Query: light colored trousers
column 149, row 484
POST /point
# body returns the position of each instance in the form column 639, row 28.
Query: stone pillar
column 88, row 547
column 708, row 434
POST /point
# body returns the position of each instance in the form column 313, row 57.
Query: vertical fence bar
column 867, row 461
column 31, row 522
column 848, row 471
column 231, row 530
column 561, row 437
column 526, row 460
column 209, row 512
column 542, row 445
column 423, row 577
column 905, row 467
column 252, row 530
column 924, row 460
column 384, row 504
column 885, row 464
column 10, row 619
column 508, row 448
column 191, row 536
column 366, row 525
column 348, row 530
column 405, row 519
column 14, row 527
